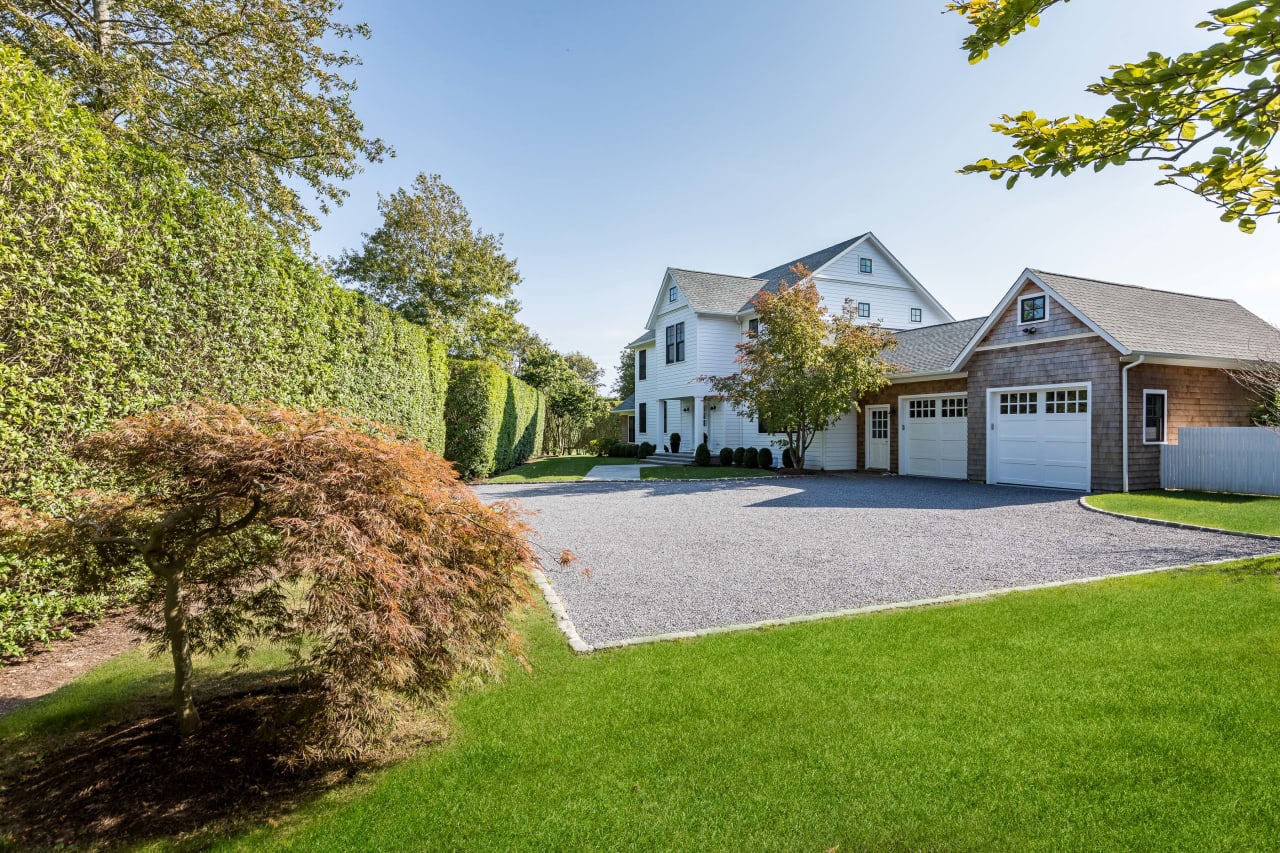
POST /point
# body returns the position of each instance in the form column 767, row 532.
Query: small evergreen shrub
column 603, row 446
column 726, row 456
column 647, row 449
column 739, row 453
column 751, row 458
column 766, row 457
column 675, row 442
column 702, row 456
column 787, row 461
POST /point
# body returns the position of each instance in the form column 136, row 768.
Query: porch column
column 699, row 405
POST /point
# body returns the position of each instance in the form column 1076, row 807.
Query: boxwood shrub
column 702, row 456
column 726, row 456
column 751, row 458
column 739, row 453
column 766, row 457
column 493, row 420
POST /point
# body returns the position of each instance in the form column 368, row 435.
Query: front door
column 878, row 437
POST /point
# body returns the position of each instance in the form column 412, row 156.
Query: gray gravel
column 684, row 556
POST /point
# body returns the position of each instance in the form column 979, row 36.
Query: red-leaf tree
column 362, row 552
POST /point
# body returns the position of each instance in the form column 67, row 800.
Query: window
column 753, row 327
column 864, row 309
column 664, row 416
column 879, row 424
column 864, row 265
column 675, row 343
column 1031, row 309
column 1073, row 402
column 917, row 315
column 761, row 427
column 1155, row 417
column 1019, row 403
column 917, row 409
column 642, row 365
column 672, row 294
column 644, row 417
column 631, row 430
column 955, row 407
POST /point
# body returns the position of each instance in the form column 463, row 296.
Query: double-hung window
column 761, row 426
column 1155, row 417
column 644, row 417
column 642, row 365
column 675, row 343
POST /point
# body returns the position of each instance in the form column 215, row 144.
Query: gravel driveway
column 682, row 556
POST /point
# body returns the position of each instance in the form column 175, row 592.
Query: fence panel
column 1223, row 459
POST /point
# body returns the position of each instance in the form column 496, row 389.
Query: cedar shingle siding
column 890, row 395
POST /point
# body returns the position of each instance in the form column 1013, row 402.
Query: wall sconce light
column 713, row 407
column 1029, row 330
column 685, row 409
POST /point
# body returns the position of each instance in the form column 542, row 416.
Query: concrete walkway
column 616, row 473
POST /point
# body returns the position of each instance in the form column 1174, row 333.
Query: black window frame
column 675, row 343
column 1148, row 395
column 753, row 326
column 865, row 266
column 643, row 413
column 671, row 344
column 917, row 315
column 864, row 309
column 673, row 293
column 761, row 427
column 642, row 365
column 665, row 407
column 1022, row 311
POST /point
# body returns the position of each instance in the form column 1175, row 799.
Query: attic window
column 917, row 315
column 1031, row 309
column 864, row 309
column 671, row 294
column 864, row 265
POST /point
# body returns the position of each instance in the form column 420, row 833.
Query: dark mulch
column 136, row 780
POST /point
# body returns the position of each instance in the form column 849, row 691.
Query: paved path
column 680, row 556
column 616, row 473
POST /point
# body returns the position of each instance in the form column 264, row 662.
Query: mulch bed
column 44, row 670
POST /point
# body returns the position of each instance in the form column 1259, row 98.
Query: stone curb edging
column 1160, row 522
column 563, row 622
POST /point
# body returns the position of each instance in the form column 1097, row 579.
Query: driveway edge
column 1160, row 522
column 563, row 622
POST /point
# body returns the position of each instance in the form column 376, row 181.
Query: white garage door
column 1040, row 437
column 935, row 436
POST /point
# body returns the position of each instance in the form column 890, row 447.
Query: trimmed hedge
column 702, row 456
column 726, row 456
column 124, row 287
column 751, row 459
column 493, row 421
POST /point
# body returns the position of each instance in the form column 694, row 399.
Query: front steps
column 670, row 458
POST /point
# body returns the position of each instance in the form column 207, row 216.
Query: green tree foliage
column 624, row 384
column 430, row 263
column 573, row 403
column 247, row 95
column 360, row 552
column 493, row 420
column 805, row 367
column 1206, row 117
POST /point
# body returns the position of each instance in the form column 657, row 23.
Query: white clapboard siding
column 1223, row 459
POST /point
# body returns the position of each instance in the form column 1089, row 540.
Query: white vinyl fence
column 1223, row 459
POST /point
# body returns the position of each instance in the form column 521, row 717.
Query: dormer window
column 864, row 265
column 672, row 293
column 1031, row 309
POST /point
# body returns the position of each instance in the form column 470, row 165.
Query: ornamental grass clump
column 362, row 553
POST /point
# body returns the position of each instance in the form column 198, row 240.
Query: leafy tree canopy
column 429, row 262
column 1207, row 117
column 805, row 367
column 570, row 383
column 248, row 95
column 624, row 385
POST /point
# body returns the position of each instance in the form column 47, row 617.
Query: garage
column 935, row 436
column 1040, row 436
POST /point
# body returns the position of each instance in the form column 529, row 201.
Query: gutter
column 1124, row 421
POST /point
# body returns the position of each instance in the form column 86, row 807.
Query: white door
column 1040, row 437
column 935, row 436
column 878, row 437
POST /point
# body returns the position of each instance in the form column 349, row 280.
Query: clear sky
column 608, row 141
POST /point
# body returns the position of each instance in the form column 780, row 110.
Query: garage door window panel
column 919, row 409
column 955, row 407
column 1020, row 403
column 1072, row 402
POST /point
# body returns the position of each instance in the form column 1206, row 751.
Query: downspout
column 1124, row 421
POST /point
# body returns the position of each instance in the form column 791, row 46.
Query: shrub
column 766, row 457
column 675, row 442
column 602, row 446
column 647, row 449
column 786, row 458
column 751, row 458
column 702, row 456
column 726, row 456
column 362, row 552
column 739, row 454
column 494, row 421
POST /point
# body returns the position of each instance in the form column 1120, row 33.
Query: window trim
column 1164, row 415
column 1044, row 316
column 675, row 343
column 917, row 315
column 643, row 412
column 865, row 266
column 642, row 365
column 864, row 313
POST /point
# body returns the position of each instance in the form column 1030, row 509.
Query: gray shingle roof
column 932, row 349
column 1159, row 321
column 812, row 261
column 626, row 406
column 713, row 293
column 643, row 339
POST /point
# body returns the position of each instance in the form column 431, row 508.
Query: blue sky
column 609, row 141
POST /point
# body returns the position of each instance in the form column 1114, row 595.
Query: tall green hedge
column 124, row 287
column 493, row 420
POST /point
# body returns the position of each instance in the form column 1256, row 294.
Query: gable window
column 753, row 327
column 642, row 365
column 864, row 265
column 672, row 294
column 1155, row 417
column 917, row 315
column 864, row 309
column 675, row 343
column 644, row 417
column 1031, row 309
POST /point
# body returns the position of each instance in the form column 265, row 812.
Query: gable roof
column 1142, row 321
column 626, row 407
column 932, row 349
column 647, row 337
column 812, row 262
column 714, row 293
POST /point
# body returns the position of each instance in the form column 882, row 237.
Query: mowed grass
column 692, row 472
column 1245, row 513
column 557, row 469
column 1131, row 713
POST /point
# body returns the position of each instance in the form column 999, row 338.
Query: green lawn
column 557, row 469
column 1246, row 513
column 689, row 472
column 1136, row 712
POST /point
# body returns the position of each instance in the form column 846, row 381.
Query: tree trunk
column 102, row 45
column 175, row 627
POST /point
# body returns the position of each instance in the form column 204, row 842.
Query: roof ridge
column 948, row 323
column 1133, row 286
column 721, row 274
column 845, row 243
